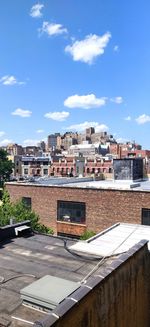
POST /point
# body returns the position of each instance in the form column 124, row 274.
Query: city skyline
column 72, row 65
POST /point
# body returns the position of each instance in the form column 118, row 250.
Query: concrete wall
column 103, row 207
column 119, row 297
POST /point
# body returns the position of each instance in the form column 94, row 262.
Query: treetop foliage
column 19, row 211
column 6, row 167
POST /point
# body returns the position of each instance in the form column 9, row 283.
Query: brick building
column 72, row 208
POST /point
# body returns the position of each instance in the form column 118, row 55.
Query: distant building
column 85, row 149
column 42, row 146
column 52, row 141
column 35, row 166
column 14, row 149
column 31, row 150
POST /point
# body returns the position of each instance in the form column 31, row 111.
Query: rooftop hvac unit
column 47, row 292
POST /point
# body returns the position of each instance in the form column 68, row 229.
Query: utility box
column 128, row 169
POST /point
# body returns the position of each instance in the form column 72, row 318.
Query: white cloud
column 35, row 11
column 2, row 133
column 22, row 113
column 116, row 48
column 128, row 118
column 5, row 142
column 40, row 131
column 101, row 128
column 84, row 101
column 88, row 49
column 82, row 127
column 117, row 100
column 59, row 116
column 143, row 119
column 31, row 142
column 52, row 29
column 10, row 80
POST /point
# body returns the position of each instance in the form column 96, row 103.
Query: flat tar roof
column 25, row 260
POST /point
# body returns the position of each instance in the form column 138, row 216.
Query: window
column 145, row 216
column 27, row 202
column 45, row 163
column 25, row 171
column 73, row 212
column 45, row 171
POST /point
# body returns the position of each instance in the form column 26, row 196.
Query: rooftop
column 89, row 182
column 117, row 239
column 27, row 263
column 24, row 260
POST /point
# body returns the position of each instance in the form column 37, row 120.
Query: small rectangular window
column 73, row 212
column 27, row 202
column 145, row 216
column 45, row 171
column 25, row 171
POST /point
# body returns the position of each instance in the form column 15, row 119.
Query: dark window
column 73, row 212
column 45, row 171
column 27, row 202
column 145, row 216
column 25, row 171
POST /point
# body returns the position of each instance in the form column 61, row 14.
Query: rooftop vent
column 47, row 292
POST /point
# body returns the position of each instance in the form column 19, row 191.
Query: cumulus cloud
column 5, row 142
column 117, row 100
column 116, row 48
column 22, row 113
column 84, row 101
column 57, row 115
column 31, row 142
column 143, row 119
column 128, row 118
column 40, row 131
column 52, row 29
column 89, row 48
column 10, row 80
column 82, row 127
column 35, row 11
column 2, row 133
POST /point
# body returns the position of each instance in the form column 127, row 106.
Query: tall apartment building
column 69, row 139
column 14, row 149
column 52, row 141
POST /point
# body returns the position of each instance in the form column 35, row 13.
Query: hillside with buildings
column 73, row 154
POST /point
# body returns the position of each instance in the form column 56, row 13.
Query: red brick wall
column 103, row 207
column 73, row 229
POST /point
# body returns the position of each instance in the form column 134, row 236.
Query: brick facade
column 103, row 207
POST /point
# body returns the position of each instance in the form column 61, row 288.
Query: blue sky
column 69, row 64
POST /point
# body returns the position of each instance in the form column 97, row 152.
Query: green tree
column 5, row 209
column 6, row 167
column 20, row 212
